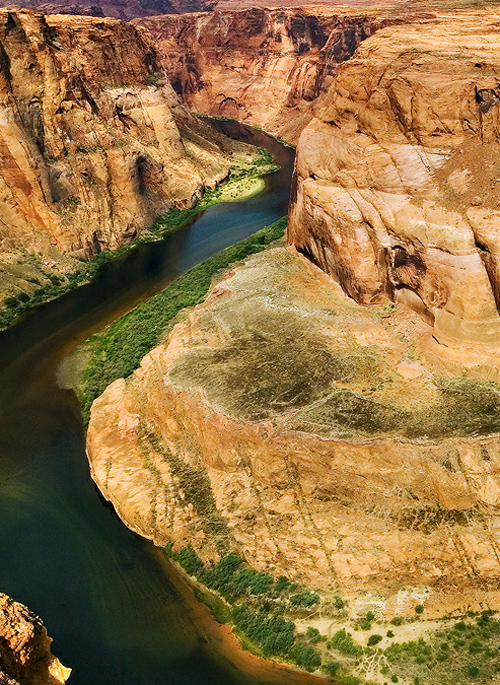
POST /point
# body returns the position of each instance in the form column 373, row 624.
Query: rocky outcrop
column 260, row 66
column 397, row 179
column 93, row 140
column 120, row 9
column 285, row 422
column 25, row 656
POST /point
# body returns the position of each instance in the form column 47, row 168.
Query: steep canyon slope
column 94, row 142
column 311, row 397
column 260, row 66
column 25, row 656
column 397, row 180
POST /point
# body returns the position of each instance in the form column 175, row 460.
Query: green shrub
column 305, row 657
column 370, row 616
column 305, row 599
column 473, row 671
column 374, row 640
column 339, row 603
column 390, row 633
column 344, row 643
column 397, row 621
column 331, row 668
column 130, row 338
column 366, row 625
column 281, row 584
column 419, row 609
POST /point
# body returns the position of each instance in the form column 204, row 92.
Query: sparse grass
column 130, row 338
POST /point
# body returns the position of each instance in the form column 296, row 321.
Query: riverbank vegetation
column 270, row 615
column 120, row 350
column 243, row 181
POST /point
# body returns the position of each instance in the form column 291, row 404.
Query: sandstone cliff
column 120, row 9
column 260, row 66
column 94, row 143
column 25, row 656
column 285, row 422
column 397, row 179
column 316, row 435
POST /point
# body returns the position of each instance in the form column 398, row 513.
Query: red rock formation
column 25, row 656
column 120, row 9
column 397, row 178
column 93, row 140
column 260, row 66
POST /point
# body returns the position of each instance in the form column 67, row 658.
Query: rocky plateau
column 333, row 403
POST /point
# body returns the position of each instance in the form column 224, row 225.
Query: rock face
column 93, row 141
column 397, row 178
column 120, row 9
column 25, row 656
column 306, row 414
column 260, row 66
column 285, row 422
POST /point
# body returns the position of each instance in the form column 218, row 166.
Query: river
column 118, row 612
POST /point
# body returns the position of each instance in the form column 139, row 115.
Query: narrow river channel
column 119, row 614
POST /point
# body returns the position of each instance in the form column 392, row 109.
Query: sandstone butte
column 330, row 400
column 94, row 143
column 25, row 656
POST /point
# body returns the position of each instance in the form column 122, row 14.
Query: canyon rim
column 308, row 422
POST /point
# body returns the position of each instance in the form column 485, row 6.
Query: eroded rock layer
column 25, row 656
column 93, row 141
column 285, row 422
column 397, row 179
column 260, row 66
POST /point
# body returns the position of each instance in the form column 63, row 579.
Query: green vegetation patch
column 130, row 338
column 255, row 603
column 460, row 654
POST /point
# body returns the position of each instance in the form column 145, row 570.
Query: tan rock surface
column 397, row 180
column 286, row 422
column 260, row 66
column 25, row 656
column 93, row 141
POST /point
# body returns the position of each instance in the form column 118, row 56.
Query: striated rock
column 94, row 143
column 260, row 66
column 285, row 422
column 120, row 9
column 25, row 656
column 397, row 181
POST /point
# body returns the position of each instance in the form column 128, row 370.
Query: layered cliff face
column 25, row 656
column 397, row 180
column 93, row 140
column 120, row 9
column 260, row 66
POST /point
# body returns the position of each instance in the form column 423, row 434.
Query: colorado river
column 118, row 613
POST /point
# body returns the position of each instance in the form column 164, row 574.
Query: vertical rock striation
column 261, row 66
column 397, row 178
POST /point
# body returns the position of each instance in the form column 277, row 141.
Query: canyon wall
column 315, row 413
column 260, row 66
column 94, row 143
column 120, row 9
column 397, row 178
column 25, row 656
